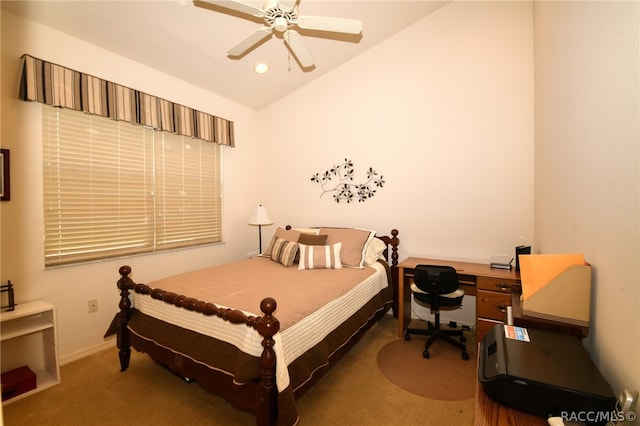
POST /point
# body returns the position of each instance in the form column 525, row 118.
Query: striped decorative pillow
column 284, row 251
column 286, row 234
column 320, row 257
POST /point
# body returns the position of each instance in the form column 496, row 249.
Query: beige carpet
column 353, row 392
column 444, row 376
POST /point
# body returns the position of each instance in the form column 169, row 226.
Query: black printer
column 543, row 373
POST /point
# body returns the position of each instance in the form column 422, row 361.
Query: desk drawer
column 492, row 305
column 497, row 284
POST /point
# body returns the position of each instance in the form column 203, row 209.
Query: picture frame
column 5, row 184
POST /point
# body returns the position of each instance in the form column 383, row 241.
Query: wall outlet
column 93, row 305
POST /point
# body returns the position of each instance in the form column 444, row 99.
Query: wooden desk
column 492, row 288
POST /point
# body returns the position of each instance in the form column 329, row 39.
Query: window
column 114, row 189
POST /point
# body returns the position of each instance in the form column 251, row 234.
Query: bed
column 318, row 290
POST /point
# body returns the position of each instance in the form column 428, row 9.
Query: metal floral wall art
column 339, row 180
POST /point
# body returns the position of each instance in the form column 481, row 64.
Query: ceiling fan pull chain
column 286, row 39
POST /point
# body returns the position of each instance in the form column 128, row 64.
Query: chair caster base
column 465, row 355
column 425, row 354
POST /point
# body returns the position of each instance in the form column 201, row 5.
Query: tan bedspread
column 311, row 303
column 243, row 284
column 319, row 311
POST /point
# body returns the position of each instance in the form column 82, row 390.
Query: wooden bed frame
column 259, row 397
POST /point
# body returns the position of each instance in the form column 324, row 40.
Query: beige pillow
column 320, row 257
column 285, row 234
column 354, row 244
column 284, row 251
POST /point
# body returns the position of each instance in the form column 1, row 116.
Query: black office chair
column 438, row 288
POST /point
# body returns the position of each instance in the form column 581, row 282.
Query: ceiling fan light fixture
column 261, row 68
column 280, row 24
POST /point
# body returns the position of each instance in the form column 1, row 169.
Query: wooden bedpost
column 268, row 326
column 392, row 261
column 122, row 318
column 395, row 242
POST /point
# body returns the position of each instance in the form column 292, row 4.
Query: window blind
column 115, row 189
column 187, row 192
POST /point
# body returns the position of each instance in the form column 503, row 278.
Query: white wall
column 444, row 110
column 70, row 288
column 587, row 164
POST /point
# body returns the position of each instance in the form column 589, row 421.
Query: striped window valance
column 52, row 84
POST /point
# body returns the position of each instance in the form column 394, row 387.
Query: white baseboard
column 111, row 343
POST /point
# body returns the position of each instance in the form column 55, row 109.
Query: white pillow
column 320, row 257
column 312, row 231
column 375, row 251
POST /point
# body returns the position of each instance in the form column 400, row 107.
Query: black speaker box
column 521, row 250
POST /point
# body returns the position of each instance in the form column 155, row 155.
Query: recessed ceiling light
column 261, row 68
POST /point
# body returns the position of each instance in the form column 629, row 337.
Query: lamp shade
column 259, row 216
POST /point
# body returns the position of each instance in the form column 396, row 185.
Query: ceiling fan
column 282, row 17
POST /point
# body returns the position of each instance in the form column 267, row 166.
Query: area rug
column 443, row 376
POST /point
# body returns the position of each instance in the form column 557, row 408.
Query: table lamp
column 260, row 217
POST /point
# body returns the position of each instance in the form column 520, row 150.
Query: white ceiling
column 189, row 40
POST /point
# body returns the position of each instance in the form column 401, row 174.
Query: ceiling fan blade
column 251, row 40
column 288, row 4
column 298, row 48
column 237, row 6
column 336, row 25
